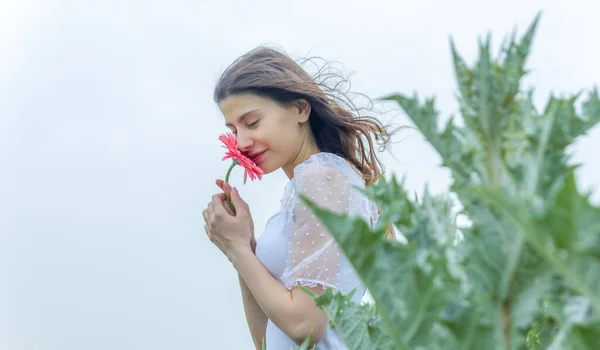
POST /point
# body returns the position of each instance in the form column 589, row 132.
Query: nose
column 244, row 141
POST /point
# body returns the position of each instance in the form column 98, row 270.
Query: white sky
column 109, row 151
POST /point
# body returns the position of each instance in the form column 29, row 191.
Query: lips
column 256, row 157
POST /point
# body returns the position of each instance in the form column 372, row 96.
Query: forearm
column 273, row 298
column 257, row 320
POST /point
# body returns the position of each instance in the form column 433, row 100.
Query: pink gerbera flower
column 250, row 168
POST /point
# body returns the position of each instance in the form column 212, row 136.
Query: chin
column 266, row 166
column 267, row 170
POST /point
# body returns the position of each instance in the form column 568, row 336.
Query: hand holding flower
column 227, row 191
column 230, row 226
column 229, row 233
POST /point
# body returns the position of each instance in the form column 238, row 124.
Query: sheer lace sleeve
column 313, row 256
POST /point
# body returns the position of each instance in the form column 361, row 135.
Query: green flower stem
column 233, row 164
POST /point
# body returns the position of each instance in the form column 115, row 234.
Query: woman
column 282, row 118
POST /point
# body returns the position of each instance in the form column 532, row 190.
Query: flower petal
column 250, row 168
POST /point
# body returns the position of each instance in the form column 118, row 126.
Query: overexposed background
column 109, row 151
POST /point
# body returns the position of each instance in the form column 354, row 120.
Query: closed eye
column 253, row 124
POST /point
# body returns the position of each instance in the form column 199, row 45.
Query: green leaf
column 359, row 325
column 411, row 285
column 306, row 343
column 354, row 234
column 510, row 279
column 572, row 227
column 526, row 273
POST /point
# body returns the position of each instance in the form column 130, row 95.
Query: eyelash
column 254, row 123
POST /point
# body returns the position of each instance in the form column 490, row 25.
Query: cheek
column 286, row 131
column 276, row 134
column 261, row 136
column 267, row 134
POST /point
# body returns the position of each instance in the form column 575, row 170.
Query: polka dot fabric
column 313, row 256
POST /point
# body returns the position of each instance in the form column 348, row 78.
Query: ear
column 304, row 109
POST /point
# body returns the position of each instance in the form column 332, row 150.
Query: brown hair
column 270, row 73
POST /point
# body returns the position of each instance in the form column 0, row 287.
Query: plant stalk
column 233, row 164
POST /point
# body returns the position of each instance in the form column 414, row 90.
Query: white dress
column 297, row 249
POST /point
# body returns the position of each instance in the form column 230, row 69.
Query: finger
column 214, row 203
column 214, row 200
column 205, row 215
column 241, row 200
column 217, row 198
column 226, row 206
column 217, row 203
column 236, row 199
column 227, row 189
column 225, row 186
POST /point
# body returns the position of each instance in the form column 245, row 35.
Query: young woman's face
column 268, row 133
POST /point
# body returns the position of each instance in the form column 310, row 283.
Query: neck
column 308, row 149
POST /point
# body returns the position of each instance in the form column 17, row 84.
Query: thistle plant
column 526, row 273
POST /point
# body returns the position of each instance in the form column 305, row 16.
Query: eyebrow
column 241, row 118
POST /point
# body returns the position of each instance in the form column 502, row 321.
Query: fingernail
column 235, row 190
